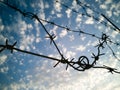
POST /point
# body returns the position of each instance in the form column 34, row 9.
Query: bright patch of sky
column 19, row 71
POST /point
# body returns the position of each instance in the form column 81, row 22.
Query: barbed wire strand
column 71, row 63
column 78, row 31
column 81, row 64
column 34, row 16
column 85, row 5
column 114, row 27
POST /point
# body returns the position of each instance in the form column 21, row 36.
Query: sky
column 20, row 71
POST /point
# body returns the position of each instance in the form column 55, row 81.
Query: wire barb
column 7, row 46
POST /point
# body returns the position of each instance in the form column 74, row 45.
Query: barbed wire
column 84, row 6
column 83, row 63
column 95, row 11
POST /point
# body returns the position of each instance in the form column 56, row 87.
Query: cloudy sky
column 20, row 71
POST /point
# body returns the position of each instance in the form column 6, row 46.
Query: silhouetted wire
column 34, row 16
column 111, row 70
column 83, row 61
column 88, row 15
column 78, row 31
column 82, row 64
column 104, row 38
column 111, row 22
column 85, row 5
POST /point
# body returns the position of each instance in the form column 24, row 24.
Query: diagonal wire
column 88, row 15
column 33, row 16
column 85, row 5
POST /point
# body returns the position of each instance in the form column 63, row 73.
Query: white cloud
column 89, row 11
column 29, row 26
column 71, row 37
column 67, row 53
column 27, row 40
column 4, row 69
column 22, row 25
column 54, row 30
column 80, row 48
column 2, row 38
column 45, row 77
column 89, row 21
column 68, row 12
column 57, row 6
column 63, row 33
column 82, row 37
column 38, row 40
column 47, row 5
column 108, row 1
column 79, row 18
column 103, row 6
column 109, row 13
column 37, row 28
column 70, row 54
column 59, row 15
column 3, row 58
column 1, row 25
column 114, row 34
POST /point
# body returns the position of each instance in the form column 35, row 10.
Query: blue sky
column 19, row 71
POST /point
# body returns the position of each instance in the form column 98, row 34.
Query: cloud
column 3, row 58
column 57, row 6
column 27, row 40
column 71, row 37
column 2, row 38
column 38, row 40
column 63, row 33
column 4, row 69
column 43, row 76
column 54, row 30
column 89, row 21
column 108, row 1
column 70, row 54
column 79, row 18
column 89, row 11
column 114, row 34
column 1, row 25
column 80, row 48
column 103, row 6
column 67, row 53
column 68, row 12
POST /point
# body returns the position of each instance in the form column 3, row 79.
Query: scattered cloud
column 71, row 37
column 63, row 33
column 89, row 21
column 108, row 1
column 27, row 40
column 1, row 25
column 114, row 34
column 3, row 59
column 79, row 18
column 4, row 69
column 43, row 76
column 57, row 6
column 38, row 40
column 103, row 6
column 80, row 48
column 68, row 12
